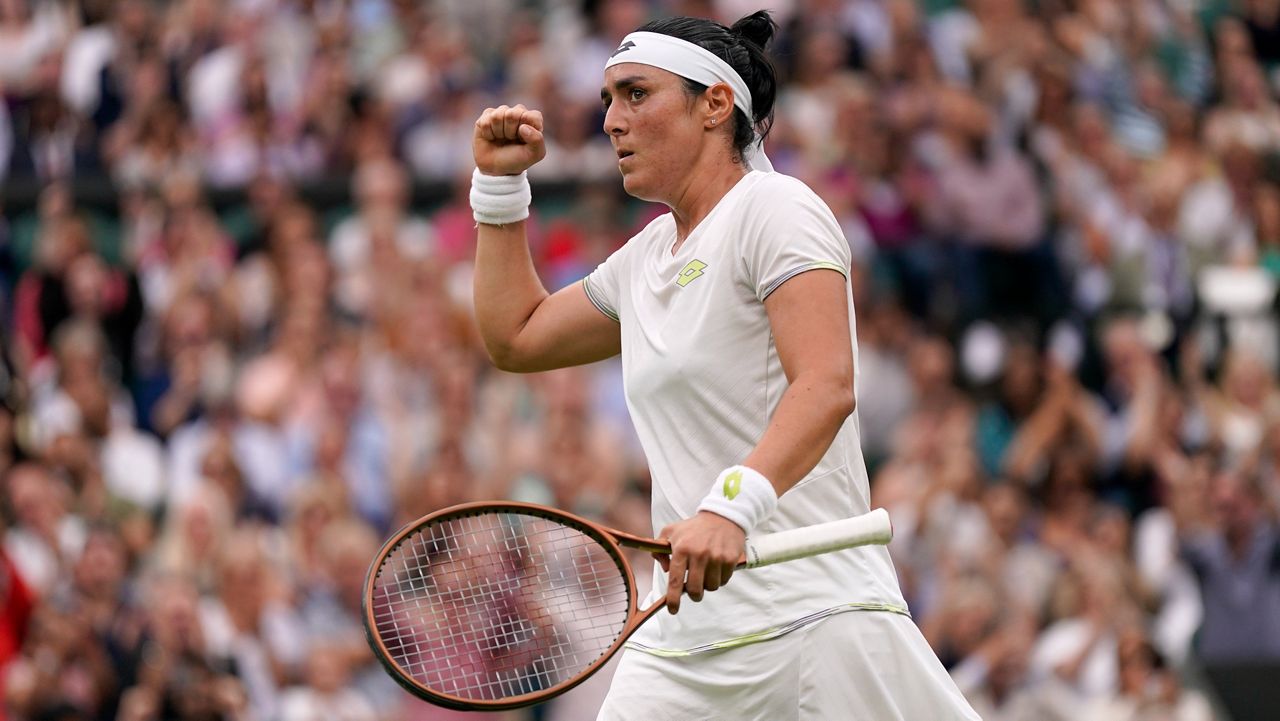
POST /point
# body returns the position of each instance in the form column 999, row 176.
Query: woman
column 739, row 366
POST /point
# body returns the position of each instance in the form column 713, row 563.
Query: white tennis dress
column 702, row 379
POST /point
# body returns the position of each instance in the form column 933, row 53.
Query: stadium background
column 235, row 279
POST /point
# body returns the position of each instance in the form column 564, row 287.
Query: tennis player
column 734, row 318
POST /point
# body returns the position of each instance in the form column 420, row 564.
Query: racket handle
column 866, row 529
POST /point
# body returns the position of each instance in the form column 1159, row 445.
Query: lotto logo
column 692, row 270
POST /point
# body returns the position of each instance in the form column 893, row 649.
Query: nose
column 613, row 124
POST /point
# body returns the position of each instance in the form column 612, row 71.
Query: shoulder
column 774, row 197
column 776, row 206
column 777, row 187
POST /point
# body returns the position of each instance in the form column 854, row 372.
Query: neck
column 1239, row 537
column 707, row 185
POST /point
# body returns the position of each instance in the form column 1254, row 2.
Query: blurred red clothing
column 18, row 602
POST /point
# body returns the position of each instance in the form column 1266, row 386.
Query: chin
column 636, row 187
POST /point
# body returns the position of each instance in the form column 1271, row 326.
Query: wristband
column 499, row 199
column 741, row 495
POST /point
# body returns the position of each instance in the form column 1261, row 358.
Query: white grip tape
column 867, row 529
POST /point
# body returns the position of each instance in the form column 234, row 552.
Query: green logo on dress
column 693, row 269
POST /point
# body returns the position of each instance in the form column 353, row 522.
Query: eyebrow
column 621, row 84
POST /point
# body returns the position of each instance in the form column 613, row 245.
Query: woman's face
column 651, row 122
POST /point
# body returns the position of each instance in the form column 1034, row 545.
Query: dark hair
column 742, row 47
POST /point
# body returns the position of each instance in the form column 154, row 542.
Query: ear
column 718, row 100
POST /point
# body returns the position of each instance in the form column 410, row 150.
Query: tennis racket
column 503, row 605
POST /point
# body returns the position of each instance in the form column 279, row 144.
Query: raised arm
column 524, row 327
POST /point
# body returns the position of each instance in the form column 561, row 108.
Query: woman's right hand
column 508, row 140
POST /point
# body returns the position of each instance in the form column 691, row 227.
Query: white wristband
column 743, row 496
column 499, row 199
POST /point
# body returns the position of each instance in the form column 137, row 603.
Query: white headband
column 697, row 64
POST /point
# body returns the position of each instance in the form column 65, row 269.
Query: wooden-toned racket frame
column 611, row 539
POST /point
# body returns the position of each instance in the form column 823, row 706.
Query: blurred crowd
column 1065, row 218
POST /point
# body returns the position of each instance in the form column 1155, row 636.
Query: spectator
column 64, row 669
column 986, row 207
column 45, row 538
column 247, row 622
column 194, row 369
column 39, row 301
column 1040, row 406
column 995, row 679
column 326, row 692
column 1244, row 405
column 194, row 530
column 1079, row 649
column 1233, row 547
column 171, row 672
column 1149, row 688
column 381, row 230
column 337, row 435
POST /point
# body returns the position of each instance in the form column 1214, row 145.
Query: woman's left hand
column 705, row 549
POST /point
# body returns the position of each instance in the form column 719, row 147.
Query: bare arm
column 524, row 327
column 809, row 317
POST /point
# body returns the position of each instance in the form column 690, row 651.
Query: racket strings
column 491, row 606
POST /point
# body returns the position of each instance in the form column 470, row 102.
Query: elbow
column 500, row 345
column 510, row 358
column 502, row 363
column 505, row 360
column 841, row 399
column 846, row 402
column 503, row 356
column 830, row 395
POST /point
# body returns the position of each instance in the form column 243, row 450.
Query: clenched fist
column 508, row 140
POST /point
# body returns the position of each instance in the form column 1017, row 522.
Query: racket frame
column 610, row 539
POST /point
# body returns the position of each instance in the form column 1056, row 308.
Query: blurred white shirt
column 302, row 703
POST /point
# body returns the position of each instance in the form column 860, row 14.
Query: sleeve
column 604, row 284
column 792, row 233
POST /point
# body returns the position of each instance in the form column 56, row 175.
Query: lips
column 624, row 154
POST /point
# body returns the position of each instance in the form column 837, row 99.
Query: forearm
column 1145, row 433
column 1085, row 421
column 807, row 420
column 171, row 411
column 507, row 287
column 1029, row 444
column 1069, row 670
